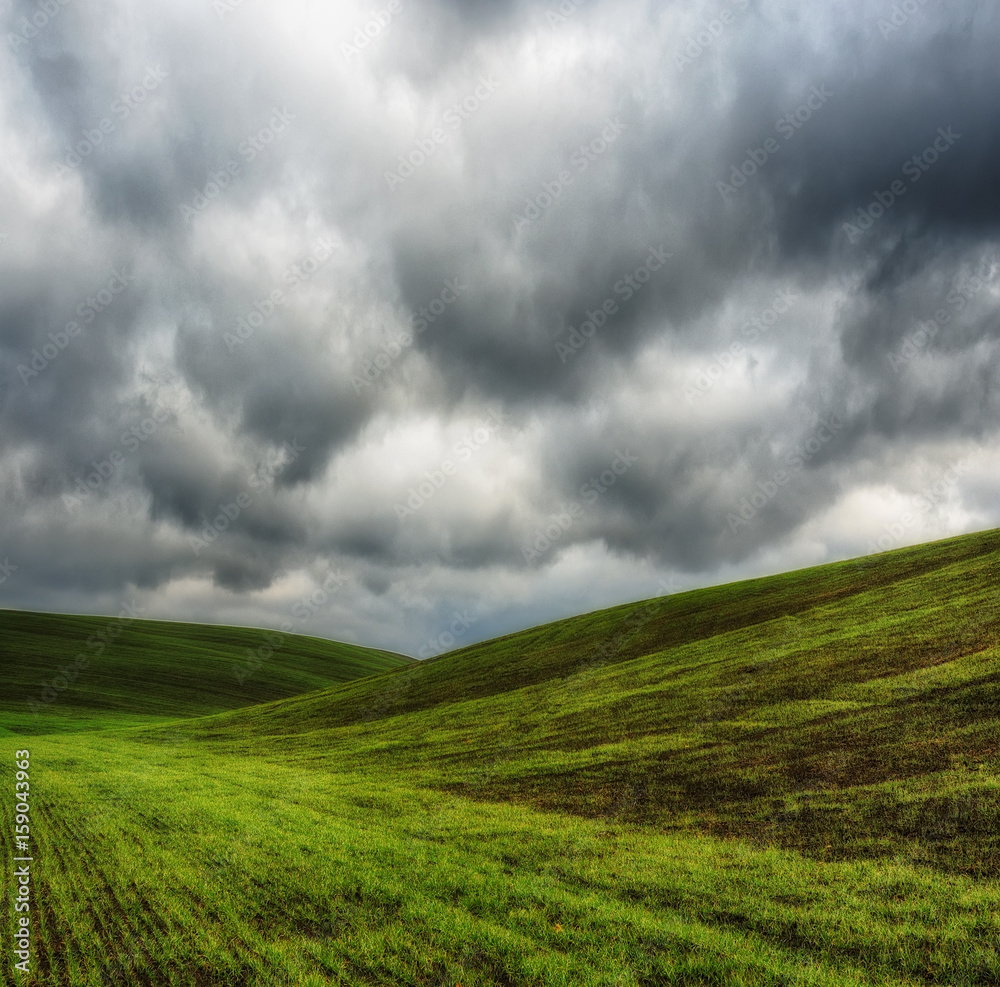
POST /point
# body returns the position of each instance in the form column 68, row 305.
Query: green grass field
column 790, row 780
column 72, row 673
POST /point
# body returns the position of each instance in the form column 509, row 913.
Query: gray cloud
column 498, row 187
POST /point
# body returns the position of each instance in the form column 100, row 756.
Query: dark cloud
column 495, row 322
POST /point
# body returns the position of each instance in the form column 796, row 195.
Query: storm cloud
column 504, row 310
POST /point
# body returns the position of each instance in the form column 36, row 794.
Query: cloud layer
column 502, row 311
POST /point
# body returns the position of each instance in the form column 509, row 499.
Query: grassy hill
column 790, row 780
column 65, row 672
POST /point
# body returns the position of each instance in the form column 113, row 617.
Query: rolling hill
column 788, row 780
column 64, row 672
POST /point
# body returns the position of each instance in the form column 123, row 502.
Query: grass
column 790, row 780
column 66, row 672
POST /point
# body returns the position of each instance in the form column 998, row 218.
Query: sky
column 414, row 323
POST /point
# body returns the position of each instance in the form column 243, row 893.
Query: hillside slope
column 888, row 614
column 784, row 780
column 64, row 672
column 792, row 708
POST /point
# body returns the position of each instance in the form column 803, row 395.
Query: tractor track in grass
column 143, row 926
column 100, row 899
column 133, row 911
